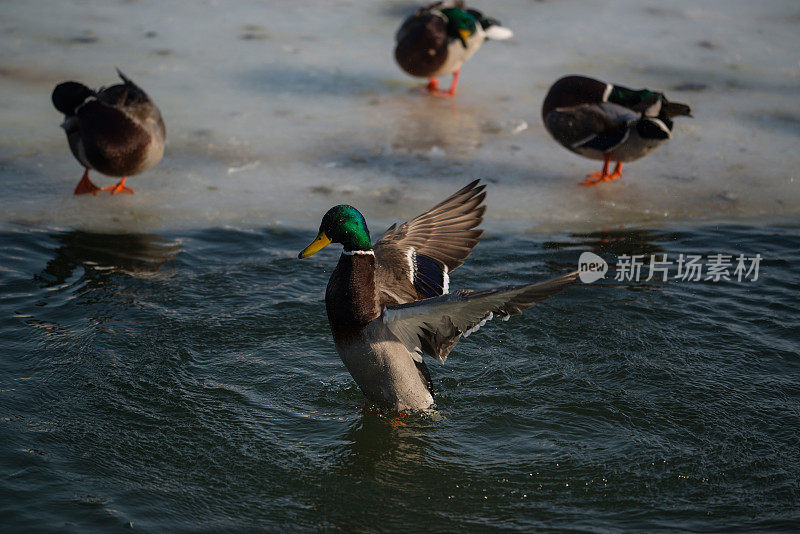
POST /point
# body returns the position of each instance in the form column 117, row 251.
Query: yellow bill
column 465, row 35
column 318, row 244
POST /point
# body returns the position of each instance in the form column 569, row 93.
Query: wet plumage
column 389, row 304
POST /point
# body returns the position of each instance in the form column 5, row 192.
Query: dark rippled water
column 188, row 382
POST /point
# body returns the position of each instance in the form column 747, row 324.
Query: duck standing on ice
column 117, row 131
column 437, row 39
column 598, row 120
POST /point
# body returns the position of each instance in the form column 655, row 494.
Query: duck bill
column 318, row 244
column 464, row 35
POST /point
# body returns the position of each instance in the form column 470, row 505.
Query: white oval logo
column 591, row 267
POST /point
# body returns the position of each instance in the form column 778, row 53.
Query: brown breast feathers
column 350, row 296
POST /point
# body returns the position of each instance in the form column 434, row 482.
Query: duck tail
column 128, row 82
column 492, row 27
column 654, row 128
column 675, row 109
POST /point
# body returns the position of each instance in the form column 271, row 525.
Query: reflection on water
column 432, row 127
column 615, row 242
column 376, row 453
column 88, row 284
column 376, row 440
column 310, row 80
column 165, row 385
column 97, row 253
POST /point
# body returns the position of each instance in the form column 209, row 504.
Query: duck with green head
column 389, row 303
column 599, row 120
column 438, row 38
column 117, row 131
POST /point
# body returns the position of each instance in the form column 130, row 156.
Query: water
column 188, row 382
column 166, row 360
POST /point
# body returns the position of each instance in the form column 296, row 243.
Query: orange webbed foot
column 595, row 178
column 119, row 188
column 86, row 186
column 603, row 175
column 397, row 420
column 444, row 94
column 433, row 86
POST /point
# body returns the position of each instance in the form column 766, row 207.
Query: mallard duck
column 389, row 303
column 439, row 38
column 608, row 122
column 116, row 130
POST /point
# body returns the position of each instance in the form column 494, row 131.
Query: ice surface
column 277, row 110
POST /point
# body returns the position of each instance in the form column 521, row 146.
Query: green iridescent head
column 342, row 224
column 643, row 100
column 460, row 24
column 634, row 99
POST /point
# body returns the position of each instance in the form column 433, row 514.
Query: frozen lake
column 277, row 110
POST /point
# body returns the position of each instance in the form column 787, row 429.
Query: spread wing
column 435, row 325
column 413, row 260
column 595, row 126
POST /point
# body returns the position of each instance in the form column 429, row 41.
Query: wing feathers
column 436, row 324
column 445, row 234
column 599, row 126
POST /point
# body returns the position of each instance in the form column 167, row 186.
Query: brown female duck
column 117, row 131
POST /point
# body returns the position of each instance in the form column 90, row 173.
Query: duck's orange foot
column 444, row 94
column 433, row 86
column 119, row 188
column 397, row 420
column 86, row 186
column 603, row 176
column 595, row 178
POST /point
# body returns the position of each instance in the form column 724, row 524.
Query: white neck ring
column 359, row 252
